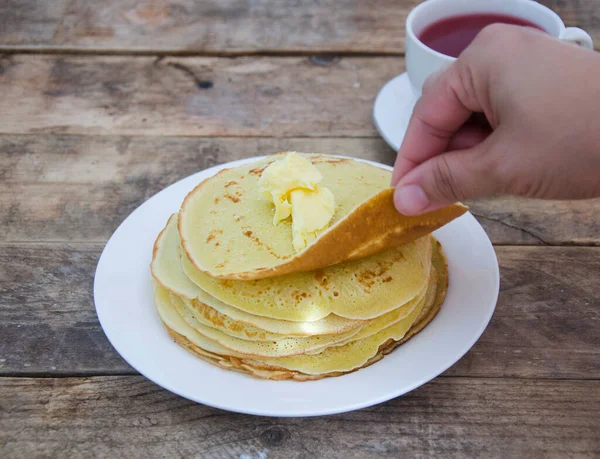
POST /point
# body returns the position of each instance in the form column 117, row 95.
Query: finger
column 433, row 78
column 445, row 179
column 473, row 132
column 437, row 116
column 468, row 136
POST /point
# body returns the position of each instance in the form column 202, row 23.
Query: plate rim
column 398, row 82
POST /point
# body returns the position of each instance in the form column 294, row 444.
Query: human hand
column 541, row 98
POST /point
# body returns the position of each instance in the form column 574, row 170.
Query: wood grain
column 545, row 324
column 131, row 417
column 226, row 26
column 47, row 321
column 80, row 188
column 95, row 118
column 247, row 96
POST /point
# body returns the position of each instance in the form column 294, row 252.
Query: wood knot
column 324, row 61
column 205, row 84
column 273, row 435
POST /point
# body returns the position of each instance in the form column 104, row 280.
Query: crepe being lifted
column 227, row 230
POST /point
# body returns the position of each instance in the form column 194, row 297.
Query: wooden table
column 104, row 104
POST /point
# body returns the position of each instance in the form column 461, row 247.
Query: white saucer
column 123, row 297
column 393, row 107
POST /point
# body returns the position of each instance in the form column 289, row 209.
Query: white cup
column 422, row 61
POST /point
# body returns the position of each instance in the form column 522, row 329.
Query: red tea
column 452, row 35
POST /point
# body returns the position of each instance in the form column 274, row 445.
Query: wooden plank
column 49, row 324
column 545, row 324
column 513, row 220
column 226, row 26
column 546, row 319
column 450, row 417
column 81, row 187
column 249, row 96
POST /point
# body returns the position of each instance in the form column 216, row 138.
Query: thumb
column 446, row 179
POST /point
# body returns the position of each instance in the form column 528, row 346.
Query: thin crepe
column 333, row 361
column 356, row 290
column 226, row 226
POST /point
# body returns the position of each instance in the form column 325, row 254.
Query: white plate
column 392, row 110
column 123, row 297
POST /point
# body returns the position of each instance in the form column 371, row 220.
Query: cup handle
column 578, row 37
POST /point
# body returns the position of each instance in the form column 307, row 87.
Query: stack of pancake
column 230, row 287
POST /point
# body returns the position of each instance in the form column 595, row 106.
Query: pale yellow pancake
column 330, row 325
column 359, row 289
column 166, row 263
column 212, row 318
column 266, row 349
column 226, row 225
column 223, row 325
column 167, row 271
column 333, row 361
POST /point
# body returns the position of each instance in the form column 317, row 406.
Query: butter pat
column 292, row 184
column 282, row 177
column 311, row 213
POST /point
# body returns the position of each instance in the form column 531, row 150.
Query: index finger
column 437, row 116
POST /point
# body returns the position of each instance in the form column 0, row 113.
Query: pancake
column 377, row 324
column 360, row 289
column 225, row 325
column 211, row 318
column 167, row 271
column 348, row 357
column 173, row 321
column 330, row 325
column 166, row 263
column 332, row 361
column 356, row 290
column 268, row 349
column 227, row 232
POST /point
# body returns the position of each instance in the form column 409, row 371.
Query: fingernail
column 410, row 200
